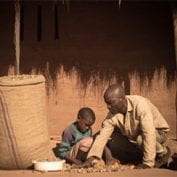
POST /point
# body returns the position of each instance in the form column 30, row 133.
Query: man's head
column 115, row 99
column 85, row 119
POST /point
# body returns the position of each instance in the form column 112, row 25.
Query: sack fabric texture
column 23, row 121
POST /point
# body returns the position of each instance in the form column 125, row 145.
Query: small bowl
column 48, row 165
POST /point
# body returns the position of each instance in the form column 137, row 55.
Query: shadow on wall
column 97, row 39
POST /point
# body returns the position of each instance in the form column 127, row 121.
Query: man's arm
column 101, row 139
column 148, row 134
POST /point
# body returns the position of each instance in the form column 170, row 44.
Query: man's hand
column 113, row 161
column 98, row 164
column 142, row 166
column 113, row 164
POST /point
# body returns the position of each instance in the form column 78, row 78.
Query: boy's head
column 85, row 119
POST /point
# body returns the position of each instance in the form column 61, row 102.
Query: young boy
column 77, row 138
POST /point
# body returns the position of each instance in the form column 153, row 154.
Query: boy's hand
column 72, row 160
column 77, row 162
column 86, row 164
column 113, row 164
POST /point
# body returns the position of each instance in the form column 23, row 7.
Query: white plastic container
column 48, row 165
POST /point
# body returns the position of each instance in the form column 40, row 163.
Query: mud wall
column 83, row 47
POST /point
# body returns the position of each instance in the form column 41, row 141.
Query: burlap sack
column 23, row 121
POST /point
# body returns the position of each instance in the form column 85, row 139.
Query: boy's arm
column 72, row 160
column 65, row 144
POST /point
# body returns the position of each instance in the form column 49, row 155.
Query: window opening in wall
column 39, row 22
column 56, row 21
column 22, row 23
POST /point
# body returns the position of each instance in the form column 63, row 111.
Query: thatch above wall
column 97, row 39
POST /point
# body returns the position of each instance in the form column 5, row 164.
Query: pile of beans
column 95, row 169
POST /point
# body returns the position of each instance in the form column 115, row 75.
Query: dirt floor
column 126, row 173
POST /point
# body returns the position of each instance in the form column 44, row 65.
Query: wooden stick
column 174, row 11
column 17, row 37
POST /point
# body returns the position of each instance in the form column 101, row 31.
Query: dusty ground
column 123, row 173
column 126, row 173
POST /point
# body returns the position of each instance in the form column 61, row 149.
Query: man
column 135, row 126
